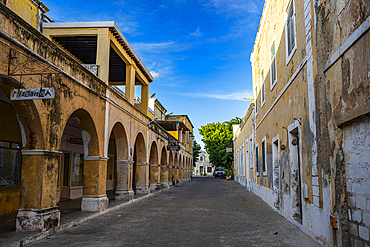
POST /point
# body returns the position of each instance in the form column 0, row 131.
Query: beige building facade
column 67, row 131
column 311, row 100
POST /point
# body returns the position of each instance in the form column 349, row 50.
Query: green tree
column 196, row 151
column 216, row 138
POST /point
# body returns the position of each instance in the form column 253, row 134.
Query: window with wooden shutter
column 290, row 28
column 273, row 66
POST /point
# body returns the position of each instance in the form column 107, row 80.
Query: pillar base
column 94, row 203
column 155, row 186
column 37, row 220
column 124, row 195
column 142, row 190
column 165, row 185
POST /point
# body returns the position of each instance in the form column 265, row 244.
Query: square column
column 95, row 172
column 181, row 173
column 124, row 189
column 164, row 177
column 102, row 54
column 155, row 177
column 37, row 210
column 177, row 173
column 130, row 83
column 170, row 175
column 142, row 174
column 144, row 99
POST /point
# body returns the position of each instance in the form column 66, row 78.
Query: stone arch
column 153, row 158
column 163, row 170
column 154, row 167
column 117, row 160
column 170, row 171
column 176, row 169
column 24, row 114
column 140, row 180
column 22, row 137
column 121, row 140
column 164, row 157
column 79, row 147
column 89, row 134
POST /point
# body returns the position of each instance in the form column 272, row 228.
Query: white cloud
column 155, row 74
column 161, row 47
column 197, row 33
column 222, row 96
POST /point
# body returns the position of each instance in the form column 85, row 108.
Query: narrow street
column 202, row 212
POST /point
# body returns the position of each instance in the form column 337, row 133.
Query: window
column 247, row 162
column 201, row 169
column 242, row 159
column 290, row 31
column 209, row 169
column 10, row 163
column 77, row 169
column 257, row 167
column 256, row 101
column 273, row 66
column 251, row 153
column 264, row 156
column 201, row 158
column 263, row 88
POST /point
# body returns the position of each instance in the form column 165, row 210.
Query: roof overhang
column 115, row 31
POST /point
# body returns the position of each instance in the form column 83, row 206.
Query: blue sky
column 198, row 51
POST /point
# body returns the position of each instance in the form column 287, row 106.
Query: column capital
column 96, row 158
column 125, row 161
column 142, row 164
column 40, row 152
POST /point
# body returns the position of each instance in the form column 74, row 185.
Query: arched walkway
column 140, row 167
column 154, row 171
column 163, row 171
column 170, row 168
column 119, row 172
column 81, row 169
column 26, row 156
column 176, row 169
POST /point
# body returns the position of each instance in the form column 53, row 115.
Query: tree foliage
column 216, row 138
column 196, row 151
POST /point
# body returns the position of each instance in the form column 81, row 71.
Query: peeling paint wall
column 285, row 125
column 342, row 101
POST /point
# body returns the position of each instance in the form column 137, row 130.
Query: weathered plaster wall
column 356, row 148
column 25, row 9
column 342, row 97
column 9, row 200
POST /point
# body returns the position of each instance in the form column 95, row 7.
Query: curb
column 69, row 225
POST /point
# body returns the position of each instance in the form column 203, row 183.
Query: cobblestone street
column 202, row 212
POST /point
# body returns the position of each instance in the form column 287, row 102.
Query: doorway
column 296, row 182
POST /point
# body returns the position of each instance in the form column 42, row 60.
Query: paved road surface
column 202, row 212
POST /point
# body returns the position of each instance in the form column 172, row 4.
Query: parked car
column 219, row 172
